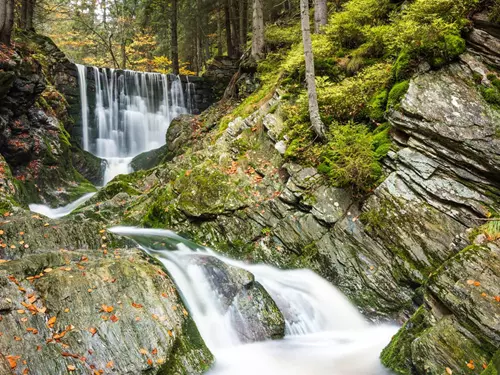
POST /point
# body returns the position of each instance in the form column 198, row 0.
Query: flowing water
column 56, row 213
column 325, row 334
column 131, row 115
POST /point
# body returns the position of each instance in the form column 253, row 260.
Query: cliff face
column 34, row 124
column 408, row 251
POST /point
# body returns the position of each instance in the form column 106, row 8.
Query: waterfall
column 82, row 81
column 325, row 334
column 132, row 113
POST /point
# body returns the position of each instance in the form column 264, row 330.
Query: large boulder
column 91, row 311
column 458, row 326
column 254, row 313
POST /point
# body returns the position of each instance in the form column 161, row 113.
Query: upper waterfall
column 126, row 113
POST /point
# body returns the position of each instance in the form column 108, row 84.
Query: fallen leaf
column 71, row 368
column 93, row 331
column 12, row 359
column 471, row 365
column 143, row 351
column 107, row 308
column 477, row 283
column 150, row 361
column 21, row 311
column 17, row 338
column 110, row 364
column 154, row 351
column 114, row 318
column 51, row 322
column 137, row 305
column 170, row 333
column 449, row 371
column 47, row 270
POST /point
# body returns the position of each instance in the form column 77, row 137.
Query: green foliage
column 378, row 105
column 349, row 99
column 280, row 36
column 397, row 93
column 351, row 157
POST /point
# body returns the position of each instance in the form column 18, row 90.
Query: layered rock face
column 33, row 117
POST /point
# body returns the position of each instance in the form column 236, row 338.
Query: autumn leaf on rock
column 71, row 368
column 110, row 364
column 471, row 365
column 143, row 351
column 107, row 309
column 51, row 322
column 137, row 305
column 114, row 318
column 12, row 359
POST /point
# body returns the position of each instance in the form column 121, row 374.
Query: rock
column 459, row 321
column 179, row 136
column 91, row 167
column 257, row 317
column 330, row 204
column 148, row 160
column 110, row 310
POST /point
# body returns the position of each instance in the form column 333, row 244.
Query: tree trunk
column 317, row 124
column 258, row 42
column 235, row 27
column 174, row 44
column 320, row 15
column 6, row 20
column 220, row 48
column 243, row 23
column 229, row 40
column 30, row 12
column 123, row 53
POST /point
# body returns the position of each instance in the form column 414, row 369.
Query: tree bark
column 220, row 48
column 317, row 124
column 235, row 27
column 229, row 39
column 258, row 41
column 243, row 23
column 174, row 43
column 320, row 15
column 6, row 20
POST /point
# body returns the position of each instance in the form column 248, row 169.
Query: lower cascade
column 323, row 332
column 131, row 114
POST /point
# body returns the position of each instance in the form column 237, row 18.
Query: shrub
column 351, row 157
column 378, row 106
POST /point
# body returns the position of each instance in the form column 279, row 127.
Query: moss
column 403, row 67
column 494, row 365
column 491, row 95
column 378, row 106
column 397, row 355
column 396, row 94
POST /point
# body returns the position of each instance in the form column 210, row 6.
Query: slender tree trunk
column 243, row 23
column 6, row 20
column 258, row 42
column 229, row 40
column 320, row 15
column 317, row 124
column 235, row 27
column 123, row 53
column 174, row 45
column 220, row 47
column 30, row 13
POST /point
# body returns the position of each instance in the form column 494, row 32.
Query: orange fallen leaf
column 21, row 311
column 51, row 322
column 12, row 359
column 114, row 318
column 107, row 308
column 154, row 351
column 110, row 364
column 485, row 366
column 17, row 338
column 137, row 305
column 449, row 371
column 143, row 351
column 497, row 298
column 471, row 365
column 170, row 333
column 477, row 283
column 71, row 368
column 93, row 331
column 150, row 361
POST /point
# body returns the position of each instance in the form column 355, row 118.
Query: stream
column 325, row 334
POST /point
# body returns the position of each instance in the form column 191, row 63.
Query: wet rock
column 89, row 310
column 148, row 160
column 256, row 316
column 253, row 312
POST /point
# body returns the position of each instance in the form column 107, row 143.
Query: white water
column 56, row 213
column 325, row 334
column 133, row 111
